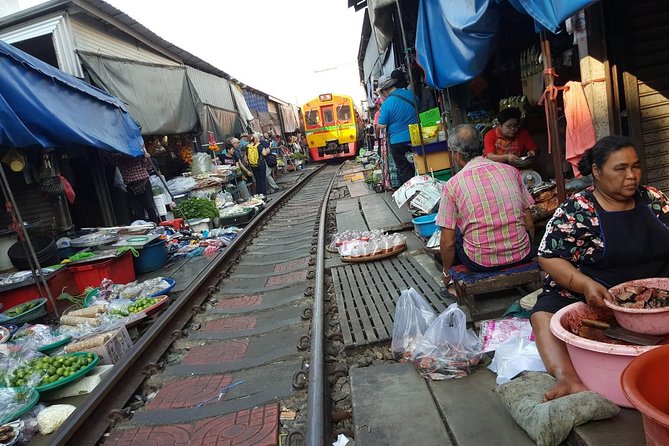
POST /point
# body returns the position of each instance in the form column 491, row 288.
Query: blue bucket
column 425, row 225
column 152, row 256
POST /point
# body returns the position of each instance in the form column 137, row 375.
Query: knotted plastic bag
column 413, row 315
column 447, row 349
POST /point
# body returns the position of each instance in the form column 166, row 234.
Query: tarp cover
column 41, row 106
column 222, row 122
column 454, row 38
column 242, row 107
column 158, row 96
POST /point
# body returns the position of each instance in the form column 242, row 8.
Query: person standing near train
column 397, row 113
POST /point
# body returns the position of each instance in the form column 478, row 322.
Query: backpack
column 270, row 159
column 253, row 156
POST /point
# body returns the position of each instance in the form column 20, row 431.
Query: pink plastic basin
column 654, row 321
column 598, row 364
column 644, row 382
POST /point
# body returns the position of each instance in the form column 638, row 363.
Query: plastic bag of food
column 31, row 337
column 201, row 164
column 12, row 400
column 413, row 315
column 20, row 369
column 51, row 418
column 447, row 349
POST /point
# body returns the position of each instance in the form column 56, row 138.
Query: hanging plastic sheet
column 158, row 96
column 454, row 38
column 41, row 106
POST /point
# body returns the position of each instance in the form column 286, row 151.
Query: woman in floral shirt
column 611, row 233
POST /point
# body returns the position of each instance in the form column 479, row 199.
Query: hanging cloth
column 580, row 129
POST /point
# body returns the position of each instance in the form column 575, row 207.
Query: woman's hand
column 531, row 153
column 595, row 293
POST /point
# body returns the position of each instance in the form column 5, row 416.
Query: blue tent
column 41, row 106
column 454, row 38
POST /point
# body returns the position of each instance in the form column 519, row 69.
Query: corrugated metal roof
column 103, row 10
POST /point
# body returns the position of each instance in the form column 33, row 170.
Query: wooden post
column 550, row 109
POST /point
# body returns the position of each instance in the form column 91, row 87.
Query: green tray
column 32, row 400
column 75, row 376
column 54, row 345
column 27, row 316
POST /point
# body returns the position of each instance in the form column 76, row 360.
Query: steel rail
column 88, row 423
column 316, row 383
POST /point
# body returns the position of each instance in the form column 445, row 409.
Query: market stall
column 44, row 109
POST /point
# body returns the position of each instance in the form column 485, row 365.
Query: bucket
column 425, row 225
column 644, row 383
column 151, row 257
column 45, row 249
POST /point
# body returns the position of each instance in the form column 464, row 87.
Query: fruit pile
column 48, row 369
column 142, row 304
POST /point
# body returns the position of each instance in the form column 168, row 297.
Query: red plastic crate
column 57, row 281
column 118, row 270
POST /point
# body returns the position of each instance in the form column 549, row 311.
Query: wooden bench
column 469, row 284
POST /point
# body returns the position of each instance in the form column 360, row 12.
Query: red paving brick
column 216, row 353
column 291, row 265
column 230, row 324
column 240, row 302
column 253, row 427
column 188, row 392
column 296, row 276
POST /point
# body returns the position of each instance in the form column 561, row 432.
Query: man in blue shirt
column 397, row 113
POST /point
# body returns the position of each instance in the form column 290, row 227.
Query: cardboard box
column 435, row 161
column 112, row 345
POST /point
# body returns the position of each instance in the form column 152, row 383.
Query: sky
column 293, row 50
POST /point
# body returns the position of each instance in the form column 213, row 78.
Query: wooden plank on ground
column 377, row 214
column 384, row 396
column 359, row 311
column 348, row 205
column 341, row 304
column 350, row 221
column 402, row 213
column 471, row 398
column 358, row 190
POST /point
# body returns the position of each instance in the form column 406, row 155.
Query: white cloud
column 293, row 50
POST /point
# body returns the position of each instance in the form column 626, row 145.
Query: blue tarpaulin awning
column 454, row 38
column 41, row 106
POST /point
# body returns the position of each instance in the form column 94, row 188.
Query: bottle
column 441, row 134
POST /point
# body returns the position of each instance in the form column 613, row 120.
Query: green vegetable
column 47, row 369
column 198, row 208
column 20, row 309
column 142, row 304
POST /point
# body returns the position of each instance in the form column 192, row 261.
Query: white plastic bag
column 448, row 349
column 201, row 164
column 413, row 315
column 515, row 355
column 51, row 418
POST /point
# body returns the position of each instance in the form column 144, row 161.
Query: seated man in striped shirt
column 484, row 211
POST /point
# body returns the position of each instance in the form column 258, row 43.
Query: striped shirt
column 486, row 200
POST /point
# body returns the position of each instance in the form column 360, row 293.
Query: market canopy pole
column 413, row 96
column 550, row 108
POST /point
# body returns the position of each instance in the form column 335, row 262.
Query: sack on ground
column 549, row 423
column 447, row 349
column 413, row 315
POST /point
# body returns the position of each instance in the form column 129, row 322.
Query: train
column 333, row 127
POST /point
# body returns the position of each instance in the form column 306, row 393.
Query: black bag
column 270, row 159
column 137, row 187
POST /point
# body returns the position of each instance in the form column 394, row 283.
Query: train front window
column 344, row 113
column 312, row 117
column 328, row 116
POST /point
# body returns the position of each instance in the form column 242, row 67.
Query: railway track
column 239, row 346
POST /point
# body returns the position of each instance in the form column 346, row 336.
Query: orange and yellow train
column 332, row 127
